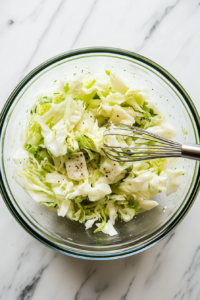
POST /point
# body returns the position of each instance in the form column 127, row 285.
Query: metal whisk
column 144, row 145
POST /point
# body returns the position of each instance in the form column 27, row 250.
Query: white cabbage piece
column 61, row 191
column 118, row 84
column 116, row 98
column 40, row 197
column 112, row 140
column 108, row 181
column 165, row 130
column 148, row 204
column 117, row 197
column 155, row 108
column 30, row 182
column 96, row 134
column 140, row 183
column 88, row 126
column 76, row 86
column 139, row 166
column 21, row 156
column 133, row 96
column 73, row 113
column 54, row 139
column 56, row 112
column 76, row 166
column 95, row 83
column 36, row 189
column 55, row 177
column 105, row 110
column 49, row 139
column 174, row 180
column 158, row 183
column 60, row 135
column 112, row 211
column 127, row 214
column 86, row 123
column 129, row 110
column 108, row 228
column 118, row 114
column 95, row 193
column 64, row 207
column 89, row 223
column 71, row 142
column 111, row 169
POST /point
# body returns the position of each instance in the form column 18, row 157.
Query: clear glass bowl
column 145, row 229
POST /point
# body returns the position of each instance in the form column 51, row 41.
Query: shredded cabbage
column 61, row 163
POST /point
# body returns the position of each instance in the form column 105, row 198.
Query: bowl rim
column 128, row 54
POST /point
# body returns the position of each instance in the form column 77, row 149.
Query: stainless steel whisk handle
column 191, row 151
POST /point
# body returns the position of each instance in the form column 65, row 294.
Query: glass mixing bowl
column 145, row 229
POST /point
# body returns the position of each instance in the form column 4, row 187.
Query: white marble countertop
column 165, row 31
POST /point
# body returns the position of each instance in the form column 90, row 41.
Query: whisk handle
column 191, row 151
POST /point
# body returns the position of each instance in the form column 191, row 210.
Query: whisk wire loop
column 145, row 145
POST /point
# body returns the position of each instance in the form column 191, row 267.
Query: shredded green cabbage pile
column 61, row 163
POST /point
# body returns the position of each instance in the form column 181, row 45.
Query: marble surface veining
column 166, row 31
